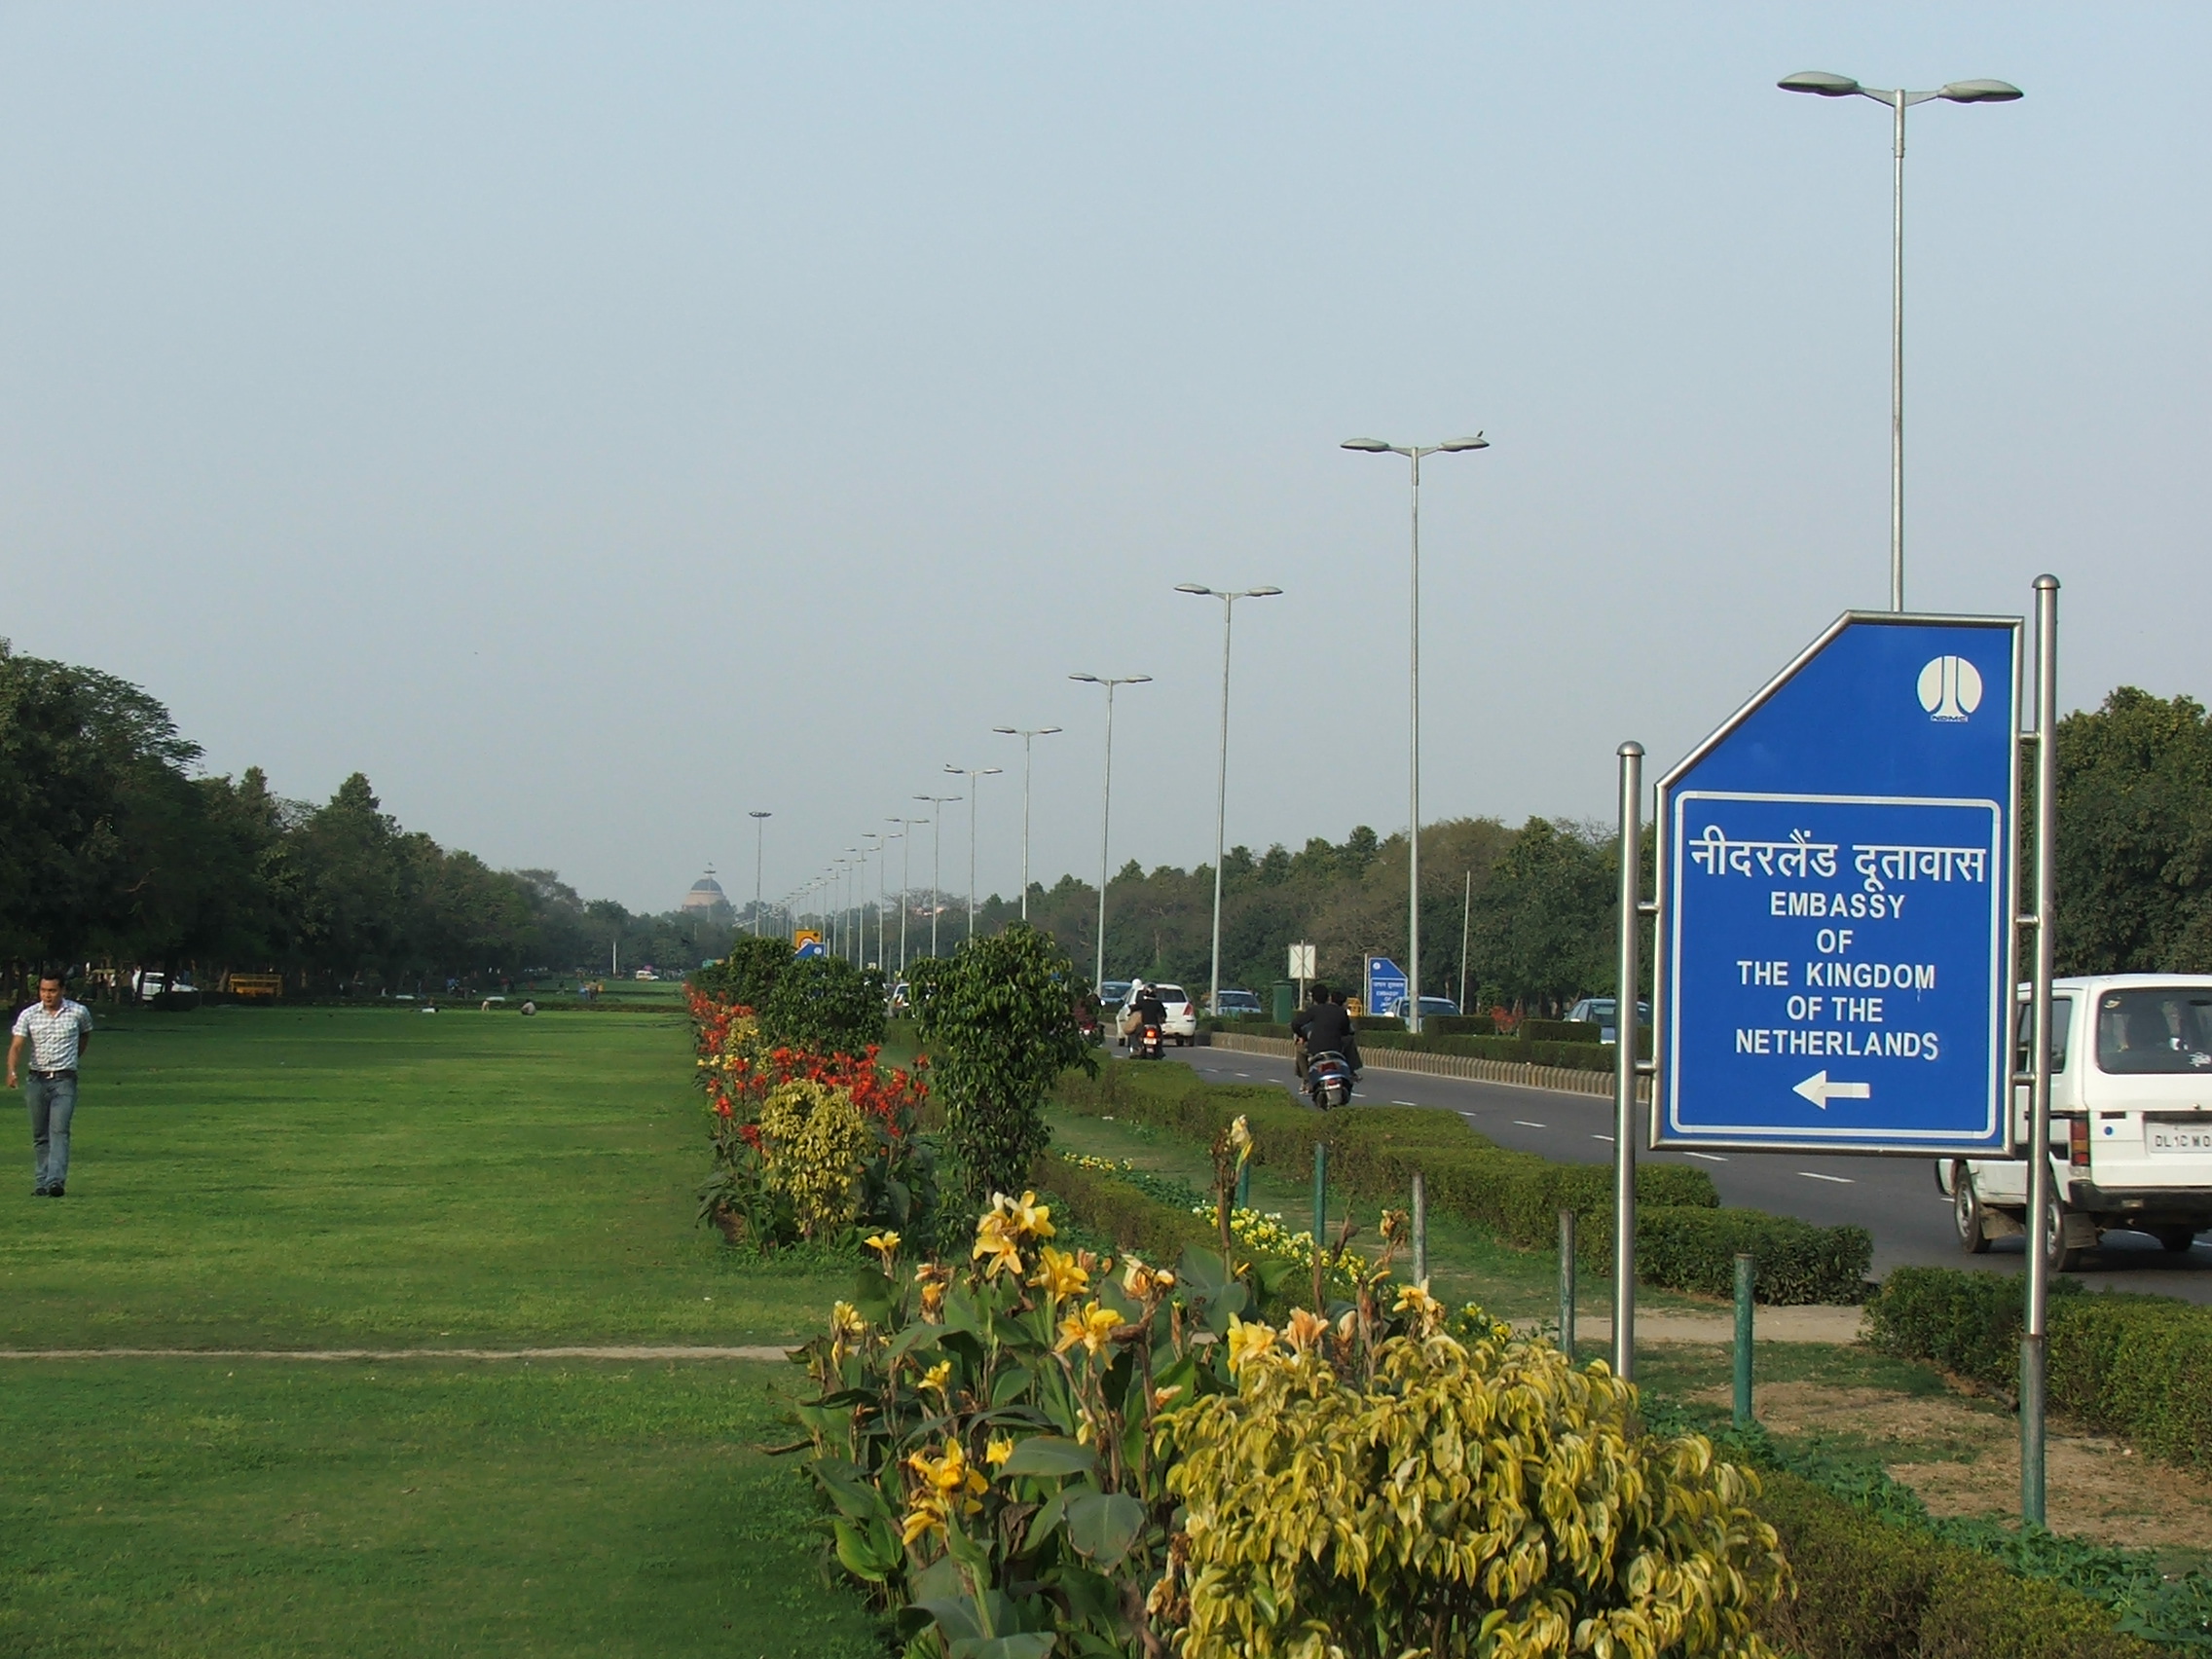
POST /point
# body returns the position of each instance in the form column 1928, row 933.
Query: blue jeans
column 53, row 1101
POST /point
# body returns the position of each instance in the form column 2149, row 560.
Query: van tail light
column 2078, row 1142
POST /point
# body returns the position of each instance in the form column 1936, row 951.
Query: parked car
column 1603, row 1012
column 1239, row 1004
column 1113, row 993
column 153, row 982
column 1430, row 1007
column 1182, row 1024
column 2130, row 1122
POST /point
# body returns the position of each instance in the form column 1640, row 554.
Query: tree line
column 114, row 847
column 1535, row 905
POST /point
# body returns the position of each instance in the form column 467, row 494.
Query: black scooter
column 1328, row 1079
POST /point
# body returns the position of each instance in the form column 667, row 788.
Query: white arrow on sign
column 1819, row 1091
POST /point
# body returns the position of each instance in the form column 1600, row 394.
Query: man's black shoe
column 54, row 1192
column 42, row 1192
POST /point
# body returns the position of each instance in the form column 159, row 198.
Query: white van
column 2130, row 1121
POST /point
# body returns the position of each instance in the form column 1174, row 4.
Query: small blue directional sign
column 1836, row 888
column 1385, row 984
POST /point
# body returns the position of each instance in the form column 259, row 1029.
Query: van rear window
column 2156, row 1031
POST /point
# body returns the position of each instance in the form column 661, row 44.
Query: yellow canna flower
column 1060, row 1274
column 1247, row 1343
column 845, row 1320
column 1024, row 1217
column 1092, row 1327
column 996, row 1247
column 884, row 1243
column 938, row 1376
column 998, row 1450
column 1306, row 1330
column 1426, row 1310
column 1145, row 1284
column 1240, row 1137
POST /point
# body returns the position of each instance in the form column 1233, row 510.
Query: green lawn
column 282, row 1178
column 301, row 1178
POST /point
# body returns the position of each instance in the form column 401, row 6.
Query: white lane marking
column 1708, row 1157
column 1601, row 1138
column 1839, row 1180
column 1243, row 1074
column 1524, row 1124
column 1405, row 1103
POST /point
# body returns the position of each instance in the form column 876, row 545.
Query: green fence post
column 1245, row 1185
column 1566, row 1284
column 1745, row 1274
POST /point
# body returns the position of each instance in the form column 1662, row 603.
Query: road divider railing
column 1684, row 1239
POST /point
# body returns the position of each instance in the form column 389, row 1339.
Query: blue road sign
column 1385, row 984
column 1836, row 890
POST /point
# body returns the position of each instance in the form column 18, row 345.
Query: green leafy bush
column 822, row 1005
column 1695, row 1250
column 748, row 974
column 1116, row 1209
column 1002, row 1019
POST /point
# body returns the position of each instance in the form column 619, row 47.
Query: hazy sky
column 594, row 423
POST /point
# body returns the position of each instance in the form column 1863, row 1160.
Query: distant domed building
column 705, row 893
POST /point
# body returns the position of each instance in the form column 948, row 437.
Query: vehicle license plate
column 2184, row 1138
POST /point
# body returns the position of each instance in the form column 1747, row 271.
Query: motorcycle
column 1148, row 1045
column 1328, row 1079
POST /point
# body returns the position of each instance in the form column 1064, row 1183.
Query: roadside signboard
column 1836, row 891
column 1385, row 984
column 1302, row 962
column 806, row 941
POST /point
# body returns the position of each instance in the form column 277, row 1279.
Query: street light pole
column 1413, row 454
column 875, row 835
column 1025, row 736
column 1221, row 781
column 906, row 828
column 935, row 821
column 974, row 775
column 1824, row 86
column 1106, row 809
column 760, row 844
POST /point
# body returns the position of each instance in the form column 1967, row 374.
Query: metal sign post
column 2044, row 919
column 1838, row 900
column 1624, row 1077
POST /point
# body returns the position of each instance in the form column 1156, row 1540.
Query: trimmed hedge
column 1798, row 1263
column 2136, row 1366
column 1516, row 1195
column 1867, row 1589
column 1121, row 1211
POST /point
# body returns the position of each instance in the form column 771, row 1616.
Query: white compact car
column 2130, row 1121
column 1182, row 1013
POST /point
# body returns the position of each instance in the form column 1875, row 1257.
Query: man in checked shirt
column 57, row 1030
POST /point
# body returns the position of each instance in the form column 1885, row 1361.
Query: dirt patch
column 1963, row 1457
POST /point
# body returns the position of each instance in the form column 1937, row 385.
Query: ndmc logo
column 1950, row 688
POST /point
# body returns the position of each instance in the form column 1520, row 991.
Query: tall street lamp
column 760, row 845
column 881, row 845
column 1413, row 454
column 1106, row 809
column 1221, row 788
column 937, row 864
column 974, row 799
column 1825, row 86
column 1025, row 736
column 906, row 828
column 883, row 901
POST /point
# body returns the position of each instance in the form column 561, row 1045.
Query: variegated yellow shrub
column 1480, row 1498
column 814, row 1141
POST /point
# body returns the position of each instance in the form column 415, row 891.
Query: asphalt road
column 1895, row 1197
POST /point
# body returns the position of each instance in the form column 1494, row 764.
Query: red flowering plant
column 806, row 1144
